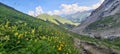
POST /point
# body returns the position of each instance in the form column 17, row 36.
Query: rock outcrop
column 108, row 8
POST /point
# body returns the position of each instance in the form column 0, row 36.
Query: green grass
column 23, row 34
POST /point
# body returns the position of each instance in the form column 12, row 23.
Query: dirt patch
column 90, row 48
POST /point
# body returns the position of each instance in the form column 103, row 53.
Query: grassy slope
column 57, row 20
column 64, row 21
column 23, row 34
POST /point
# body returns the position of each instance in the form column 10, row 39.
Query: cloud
column 68, row 9
column 73, row 8
column 38, row 10
column 65, row 9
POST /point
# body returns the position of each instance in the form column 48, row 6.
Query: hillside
column 58, row 20
column 23, row 34
column 103, row 17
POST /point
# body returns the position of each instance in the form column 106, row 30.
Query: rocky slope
column 108, row 8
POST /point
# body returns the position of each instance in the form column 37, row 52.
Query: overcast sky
column 57, row 7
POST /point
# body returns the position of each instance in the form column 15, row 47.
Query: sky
column 52, row 7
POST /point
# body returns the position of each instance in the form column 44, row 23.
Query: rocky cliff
column 108, row 9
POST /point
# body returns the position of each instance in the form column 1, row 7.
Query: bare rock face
column 109, row 7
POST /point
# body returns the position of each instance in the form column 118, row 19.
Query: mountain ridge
column 79, row 16
column 108, row 8
column 58, row 20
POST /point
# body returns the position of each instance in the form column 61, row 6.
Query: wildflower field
column 23, row 34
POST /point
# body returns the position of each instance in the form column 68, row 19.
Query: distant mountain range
column 66, row 21
column 58, row 20
column 79, row 16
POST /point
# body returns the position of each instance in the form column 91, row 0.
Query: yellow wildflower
column 20, row 36
column 33, row 31
column 16, row 34
column 43, row 37
column 61, row 45
column 66, row 53
column 60, row 48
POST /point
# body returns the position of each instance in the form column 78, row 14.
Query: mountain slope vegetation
column 23, row 34
column 58, row 20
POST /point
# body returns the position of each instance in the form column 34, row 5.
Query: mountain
column 79, row 16
column 103, row 21
column 58, row 20
column 24, row 34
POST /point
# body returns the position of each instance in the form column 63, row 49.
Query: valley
column 98, row 33
column 58, row 20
